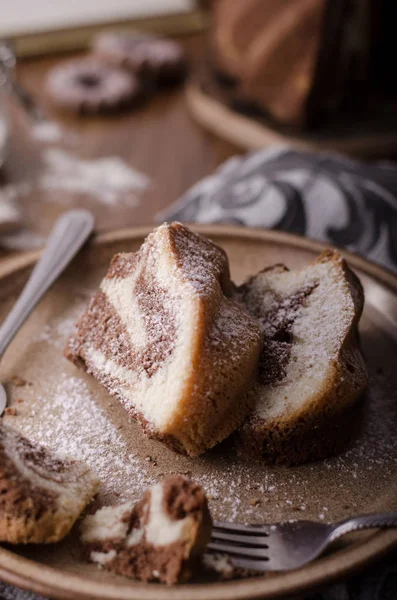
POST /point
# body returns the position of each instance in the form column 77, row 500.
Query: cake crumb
column 10, row 411
column 18, row 381
column 212, row 497
column 20, row 400
column 255, row 501
column 219, row 563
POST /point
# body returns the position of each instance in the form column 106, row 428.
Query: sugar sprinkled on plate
column 76, row 426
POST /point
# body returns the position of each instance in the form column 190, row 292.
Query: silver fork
column 285, row 546
column 66, row 238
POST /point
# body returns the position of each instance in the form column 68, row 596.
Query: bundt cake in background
column 297, row 60
column 269, row 49
column 317, row 69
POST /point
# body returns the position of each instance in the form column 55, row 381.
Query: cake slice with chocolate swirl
column 159, row 538
column 41, row 495
column 311, row 369
column 164, row 336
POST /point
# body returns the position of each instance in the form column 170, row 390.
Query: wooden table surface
column 159, row 139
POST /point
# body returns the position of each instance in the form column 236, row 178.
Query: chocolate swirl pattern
column 323, row 196
column 41, row 495
column 162, row 323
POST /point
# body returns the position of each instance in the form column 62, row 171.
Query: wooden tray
column 374, row 140
column 363, row 479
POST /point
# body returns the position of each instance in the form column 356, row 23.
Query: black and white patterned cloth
column 323, row 196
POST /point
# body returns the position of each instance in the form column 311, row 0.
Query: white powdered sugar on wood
column 12, row 235
column 110, row 180
column 10, row 214
column 49, row 132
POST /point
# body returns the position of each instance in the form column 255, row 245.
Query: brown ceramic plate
column 71, row 412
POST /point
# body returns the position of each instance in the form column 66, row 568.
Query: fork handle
column 376, row 520
column 68, row 235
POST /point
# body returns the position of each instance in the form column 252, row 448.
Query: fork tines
column 247, row 529
column 245, row 544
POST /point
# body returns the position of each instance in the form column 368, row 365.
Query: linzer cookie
column 86, row 86
column 160, row 538
column 311, row 369
column 165, row 337
column 41, row 495
column 157, row 59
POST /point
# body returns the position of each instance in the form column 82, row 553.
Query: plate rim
column 250, row 133
column 55, row 583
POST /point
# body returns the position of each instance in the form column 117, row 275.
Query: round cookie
column 159, row 59
column 89, row 87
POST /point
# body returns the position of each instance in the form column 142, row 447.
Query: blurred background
column 122, row 106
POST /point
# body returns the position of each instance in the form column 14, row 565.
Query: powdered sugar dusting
column 10, row 215
column 109, row 179
column 13, row 235
column 56, row 332
column 76, row 426
column 50, row 132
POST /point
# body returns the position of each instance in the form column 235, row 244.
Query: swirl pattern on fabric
column 323, row 196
